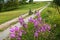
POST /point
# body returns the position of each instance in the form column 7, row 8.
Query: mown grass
column 52, row 17
column 8, row 15
column 11, row 24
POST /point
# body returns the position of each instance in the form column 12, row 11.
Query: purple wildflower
column 23, row 31
column 36, row 34
column 21, row 20
column 12, row 29
column 43, row 29
column 20, row 33
column 31, row 19
column 38, row 13
column 38, row 30
column 12, row 35
column 16, row 28
column 25, row 25
column 47, row 27
column 22, row 23
column 39, row 19
column 12, row 32
column 35, row 23
column 18, row 38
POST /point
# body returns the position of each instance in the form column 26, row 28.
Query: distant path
column 5, row 33
column 8, row 23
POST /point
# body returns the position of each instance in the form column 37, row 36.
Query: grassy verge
column 52, row 17
column 6, row 16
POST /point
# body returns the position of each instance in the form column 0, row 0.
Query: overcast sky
column 42, row 0
column 34, row 0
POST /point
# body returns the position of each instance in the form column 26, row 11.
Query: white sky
column 42, row 0
column 35, row 0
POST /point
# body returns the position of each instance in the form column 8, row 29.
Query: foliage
column 52, row 16
column 23, row 1
column 30, row 1
column 57, row 2
column 1, row 5
column 10, row 5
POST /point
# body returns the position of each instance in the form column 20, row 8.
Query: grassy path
column 5, row 33
column 5, row 16
column 9, row 15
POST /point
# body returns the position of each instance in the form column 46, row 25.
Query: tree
column 1, row 5
column 57, row 3
column 30, row 1
column 23, row 1
column 16, row 3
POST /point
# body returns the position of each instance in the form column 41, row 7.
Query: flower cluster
column 16, row 32
column 21, row 20
column 39, row 27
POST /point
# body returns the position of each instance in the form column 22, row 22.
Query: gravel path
column 6, row 24
column 5, row 33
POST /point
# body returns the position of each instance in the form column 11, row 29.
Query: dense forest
column 12, row 4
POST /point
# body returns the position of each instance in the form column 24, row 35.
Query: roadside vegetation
column 51, row 15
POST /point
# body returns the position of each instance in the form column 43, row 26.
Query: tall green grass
column 52, row 16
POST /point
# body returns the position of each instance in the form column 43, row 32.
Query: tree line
column 12, row 4
column 57, row 4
